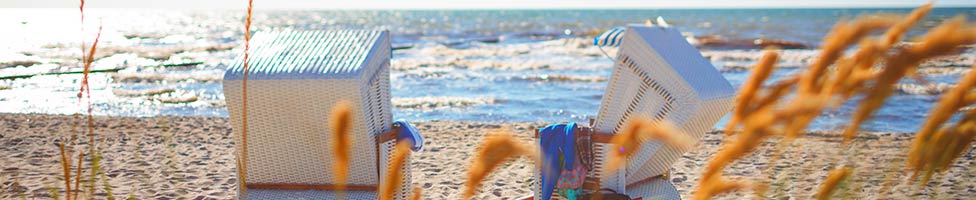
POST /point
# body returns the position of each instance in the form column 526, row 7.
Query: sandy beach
column 191, row 158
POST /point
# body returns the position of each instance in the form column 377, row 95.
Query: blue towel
column 410, row 133
column 557, row 140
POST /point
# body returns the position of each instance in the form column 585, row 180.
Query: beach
column 191, row 157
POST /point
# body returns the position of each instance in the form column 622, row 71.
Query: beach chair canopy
column 294, row 80
column 659, row 75
column 610, row 37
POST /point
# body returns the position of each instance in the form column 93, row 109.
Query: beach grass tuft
column 497, row 149
column 835, row 77
column 833, row 181
column 340, row 123
column 394, row 174
column 639, row 130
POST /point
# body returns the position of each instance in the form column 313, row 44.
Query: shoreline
column 192, row 157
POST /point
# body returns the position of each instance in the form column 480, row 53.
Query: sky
column 477, row 4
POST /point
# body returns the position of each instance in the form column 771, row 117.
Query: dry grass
column 88, row 57
column 394, row 177
column 639, row 130
column 747, row 93
column 417, row 193
column 495, row 150
column 242, row 155
column 935, row 148
column 66, row 167
column 834, row 179
column 834, row 78
column 341, row 142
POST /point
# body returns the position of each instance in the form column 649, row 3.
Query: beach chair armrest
column 408, row 132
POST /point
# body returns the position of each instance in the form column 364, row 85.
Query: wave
column 138, row 93
column 150, row 78
column 442, row 102
column 561, row 78
column 924, row 89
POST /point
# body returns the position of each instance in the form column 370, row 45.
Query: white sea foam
column 436, row 102
column 923, row 89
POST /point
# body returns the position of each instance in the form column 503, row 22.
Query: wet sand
column 191, row 158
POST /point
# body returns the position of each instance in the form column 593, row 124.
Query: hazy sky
column 473, row 4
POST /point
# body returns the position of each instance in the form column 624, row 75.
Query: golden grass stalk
column 751, row 137
column 639, row 130
column 950, row 102
column 66, row 167
column 77, row 177
column 834, row 178
column 495, row 150
column 716, row 185
column 818, row 87
column 970, row 98
column 750, row 88
column 941, row 149
column 242, row 158
column 417, row 193
column 895, row 33
column 394, row 175
column 341, row 122
column 842, row 36
column 941, row 40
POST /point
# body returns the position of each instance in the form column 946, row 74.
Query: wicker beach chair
column 294, row 80
column 657, row 75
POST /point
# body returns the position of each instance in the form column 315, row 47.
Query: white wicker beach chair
column 294, row 80
column 657, row 75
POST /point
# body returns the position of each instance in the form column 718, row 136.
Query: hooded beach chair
column 657, row 75
column 294, row 80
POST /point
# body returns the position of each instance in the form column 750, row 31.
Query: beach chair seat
column 294, row 80
column 657, row 75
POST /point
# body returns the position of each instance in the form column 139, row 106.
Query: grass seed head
column 495, row 150
column 640, row 130
column 394, row 175
column 834, row 178
column 750, row 88
column 340, row 123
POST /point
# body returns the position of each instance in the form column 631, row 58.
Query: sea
column 448, row 65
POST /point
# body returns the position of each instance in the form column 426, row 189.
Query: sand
column 191, row 158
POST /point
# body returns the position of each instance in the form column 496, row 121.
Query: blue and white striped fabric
column 610, row 38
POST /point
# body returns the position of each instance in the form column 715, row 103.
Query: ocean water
column 468, row 65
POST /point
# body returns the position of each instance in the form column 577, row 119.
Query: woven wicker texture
column 294, row 81
column 286, row 55
column 307, row 194
column 658, row 75
column 658, row 188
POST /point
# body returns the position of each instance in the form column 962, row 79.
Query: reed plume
column 834, row 178
column 340, row 123
column 639, row 130
column 941, row 40
column 495, row 150
column 717, row 185
column 394, row 175
column 933, row 151
column 762, row 116
column 750, row 88
column 842, row 36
